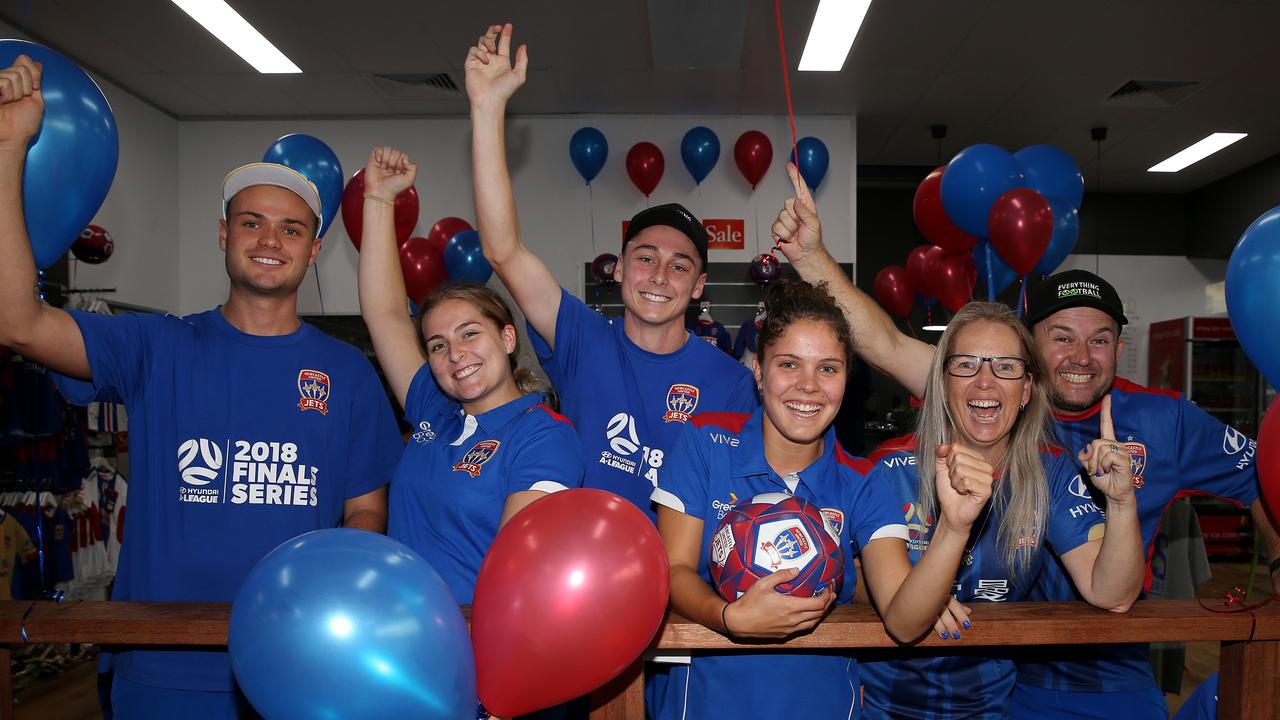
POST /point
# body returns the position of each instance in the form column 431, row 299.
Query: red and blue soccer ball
column 774, row 532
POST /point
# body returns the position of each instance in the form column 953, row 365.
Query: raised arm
column 383, row 302
column 491, row 81
column 875, row 337
column 39, row 332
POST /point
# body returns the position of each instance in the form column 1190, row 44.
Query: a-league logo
column 204, row 472
column 478, row 455
column 682, row 400
column 313, row 386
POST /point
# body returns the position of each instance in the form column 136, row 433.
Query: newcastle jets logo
column 682, row 400
column 478, row 455
column 1138, row 460
column 313, row 386
column 789, row 544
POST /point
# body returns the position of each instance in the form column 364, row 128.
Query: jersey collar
column 749, row 459
column 492, row 421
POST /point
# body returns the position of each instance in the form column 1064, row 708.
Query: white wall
column 1155, row 288
column 555, row 212
column 141, row 209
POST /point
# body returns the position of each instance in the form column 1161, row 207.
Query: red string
column 786, row 79
column 1234, row 600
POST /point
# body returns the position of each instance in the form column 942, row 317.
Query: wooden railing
column 1249, row 685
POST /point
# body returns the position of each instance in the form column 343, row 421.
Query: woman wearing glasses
column 987, row 410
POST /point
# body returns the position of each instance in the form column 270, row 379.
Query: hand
column 763, row 612
column 490, row 76
column 1107, row 462
column 388, row 173
column 964, row 481
column 21, row 102
column 797, row 230
column 954, row 617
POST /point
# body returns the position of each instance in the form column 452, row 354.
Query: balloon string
column 786, row 79
column 755, row 209
column 319, row 291
column 991, row 285
column 912, row 328
column 591, row 202
column 1022, row 295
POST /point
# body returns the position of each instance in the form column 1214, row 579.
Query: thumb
column 522, row 60
column 773, row 580
column 943, row 451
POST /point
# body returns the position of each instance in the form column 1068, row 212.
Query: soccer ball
column 772, row 532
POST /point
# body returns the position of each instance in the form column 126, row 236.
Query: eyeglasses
column 1002, row 366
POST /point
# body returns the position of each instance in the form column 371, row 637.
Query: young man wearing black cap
column 628, row 386
column 276, row 428
column 1176, row 448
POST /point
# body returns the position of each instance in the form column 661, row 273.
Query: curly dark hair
column 790, row 301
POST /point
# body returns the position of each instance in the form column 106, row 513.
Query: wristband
column 375, row 198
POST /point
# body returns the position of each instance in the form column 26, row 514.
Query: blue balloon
column 1002, row 276
column 926, row 302
column 463, row 259
column 317, row 163
column 72, row 159
column 1253, row 293
column 974, row 179
column 813, row 162
column 700, row 149
column 588, row 150
column 1066, row 229
column 344, row 623
column 1052, row 173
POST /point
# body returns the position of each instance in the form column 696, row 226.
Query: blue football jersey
column 748, row 334
column 628, row 404
column 714, row 333
column 238, row 443
column 1177, row 449
column 970, row 683
column 718, row 462
column 457, row 470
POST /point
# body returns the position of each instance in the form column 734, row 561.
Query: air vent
column 407, row 85
column 1152, row 93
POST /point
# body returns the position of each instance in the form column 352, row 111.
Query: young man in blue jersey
column 628, row 386
column 1176, row 449
column 277, row 429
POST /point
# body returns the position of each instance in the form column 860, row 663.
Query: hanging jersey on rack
column 744, row 348
column 713, row 332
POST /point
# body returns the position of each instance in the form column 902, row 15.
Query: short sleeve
column 547, row 458
column 1215, row 458
column 424, row 398
column 575, row 324
column 374, row 444
column 1074, row 519
column 682, row 484
column 876, row 512
column 116, row 346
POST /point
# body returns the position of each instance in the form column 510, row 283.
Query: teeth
column 984, row 403
column 654, row 298
column 806, row 409
column 466, row 372
column 1076, row 377
column 266, row 261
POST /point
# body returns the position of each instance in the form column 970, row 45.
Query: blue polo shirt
column 457, row 471
column 628, row 404
column 1177, row 450
column 719, row 462
column 935, row 684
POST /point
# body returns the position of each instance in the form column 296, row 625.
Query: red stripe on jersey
column 904, row 443
column 554, row 415
column 1123, row 385
column 731, row 421
column 862, row 466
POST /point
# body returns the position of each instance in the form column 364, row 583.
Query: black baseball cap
column 672, row 215
column 1072, row 288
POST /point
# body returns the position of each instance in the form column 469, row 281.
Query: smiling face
column 984, row 408
column 269, row 240
column 802, row 378
column 468, row 355
column 659, row 273
column 1080, row 347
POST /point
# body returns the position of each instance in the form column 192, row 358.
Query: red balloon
column 571, row 592
column 932, row 220
column 918, row 271
column 753, row 152
column 645, row 166
column 445, row 229
column 1269, row 459
column 422, row 264
column 951, row 277
column 893, row 290
column 406, row 210
column 93, row 246
column 1021, row 225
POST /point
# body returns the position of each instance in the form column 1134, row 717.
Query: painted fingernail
column 943, row 634
column 965, row 624
column 955, row 636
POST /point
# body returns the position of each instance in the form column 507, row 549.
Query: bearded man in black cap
column 1176, row 448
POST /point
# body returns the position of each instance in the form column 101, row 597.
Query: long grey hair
column 1021, row 493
